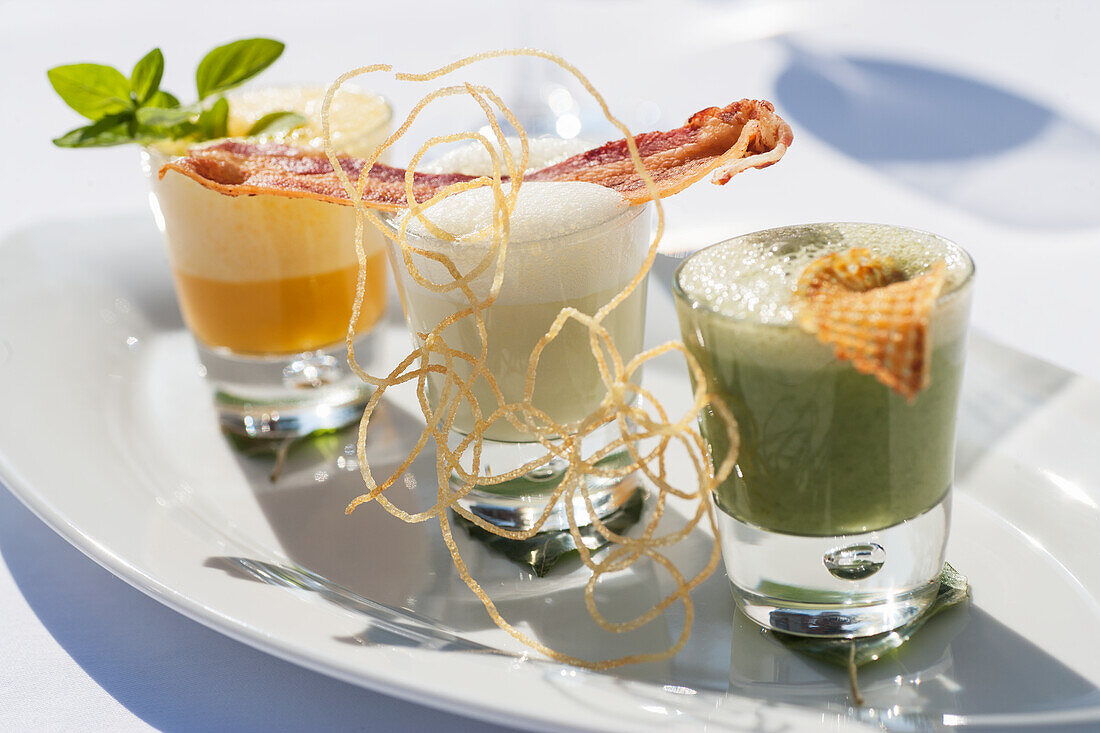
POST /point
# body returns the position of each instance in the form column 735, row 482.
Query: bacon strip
column 723, row 141
column 238, row 168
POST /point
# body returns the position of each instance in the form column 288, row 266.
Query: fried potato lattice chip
column 864, row 307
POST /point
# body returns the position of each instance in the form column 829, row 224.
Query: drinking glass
column 834, row 520
column 266, row 285
column 584, row 269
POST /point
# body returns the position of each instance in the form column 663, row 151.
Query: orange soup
column 266, row 275
column 283, row 316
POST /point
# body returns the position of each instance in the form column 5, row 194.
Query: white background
column 978, row 120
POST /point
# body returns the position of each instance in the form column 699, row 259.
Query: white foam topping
column 754, row 277
column 576, row 238
column 473, row 159
column 544, row 210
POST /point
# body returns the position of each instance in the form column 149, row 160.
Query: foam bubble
column 754, row 277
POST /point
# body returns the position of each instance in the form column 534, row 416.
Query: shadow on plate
column 987, row 150
column 401, row 576
column 143, row 282
column 169, row 671
column 963, row 663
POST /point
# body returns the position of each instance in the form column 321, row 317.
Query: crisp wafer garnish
column 862, row 305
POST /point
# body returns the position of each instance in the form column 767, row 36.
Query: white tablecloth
column 980, row 121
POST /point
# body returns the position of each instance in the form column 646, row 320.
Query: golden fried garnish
column 715, row 142
column 863, row 306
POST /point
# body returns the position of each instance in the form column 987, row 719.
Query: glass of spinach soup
column 834, row 519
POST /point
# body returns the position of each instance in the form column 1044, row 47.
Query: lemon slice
column 360, row 120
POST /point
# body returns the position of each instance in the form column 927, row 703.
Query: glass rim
column 352, row 88
column 155, row 149
column 625, row 218
column 679, row 293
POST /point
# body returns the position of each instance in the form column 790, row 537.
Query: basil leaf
column 109, row 130
column 93, row 90
column 213, row 123
column 166, row 116
column 145, row 78
column 163, row 99
column 145, row 134
column 234, row 63
column 954, row 589
column 275, row 122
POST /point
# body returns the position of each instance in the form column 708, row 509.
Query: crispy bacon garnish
column 723, row 141
column 238, row 168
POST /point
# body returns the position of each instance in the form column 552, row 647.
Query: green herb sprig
column 136, row 110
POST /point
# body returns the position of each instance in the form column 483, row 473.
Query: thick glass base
column 285, row 396
column 843, row 586
column 518, row 503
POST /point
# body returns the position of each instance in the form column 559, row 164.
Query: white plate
column 107, row 433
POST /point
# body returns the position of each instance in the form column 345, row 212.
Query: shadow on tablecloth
column 987, row 150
